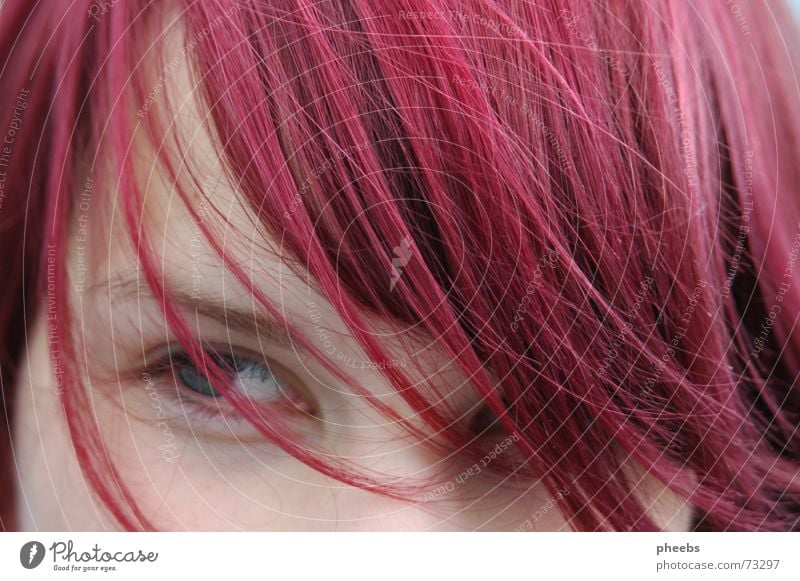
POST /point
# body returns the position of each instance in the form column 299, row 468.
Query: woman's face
column 188, row 459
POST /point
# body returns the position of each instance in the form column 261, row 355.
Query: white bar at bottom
column 400, row 556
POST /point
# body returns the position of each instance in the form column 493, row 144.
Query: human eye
column 485, row 423
column 264, row 385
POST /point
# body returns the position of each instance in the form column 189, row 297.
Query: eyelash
column 210, row 409
column 216, row 413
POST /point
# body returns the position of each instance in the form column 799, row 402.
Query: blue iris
column 244, row 371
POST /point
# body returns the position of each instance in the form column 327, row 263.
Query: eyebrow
column 249, row 321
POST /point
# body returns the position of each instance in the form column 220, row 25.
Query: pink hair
column 598, row 202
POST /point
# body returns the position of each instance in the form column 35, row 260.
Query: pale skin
column 190, row 471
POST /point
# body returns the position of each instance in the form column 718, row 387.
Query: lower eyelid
column 215, row 416
column 219, row 414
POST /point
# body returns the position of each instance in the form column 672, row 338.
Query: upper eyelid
column 248, row 321
column 174, row 352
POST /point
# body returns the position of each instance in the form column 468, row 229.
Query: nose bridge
column 362, row 510
column 447, row 495
column 357, row 432
column 387, row 452
column 461, row 508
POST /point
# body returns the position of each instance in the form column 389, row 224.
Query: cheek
column 669, row 510
column 185, row 481
column 51, row 493
column 182, row 482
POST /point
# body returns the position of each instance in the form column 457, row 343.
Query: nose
column 469, row 508
column 439, row 496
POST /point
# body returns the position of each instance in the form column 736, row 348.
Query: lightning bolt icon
column 34, row 550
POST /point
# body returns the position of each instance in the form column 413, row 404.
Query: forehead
column 174, row 207
column 186, row 257
column 176, row 238
column 180, row 214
